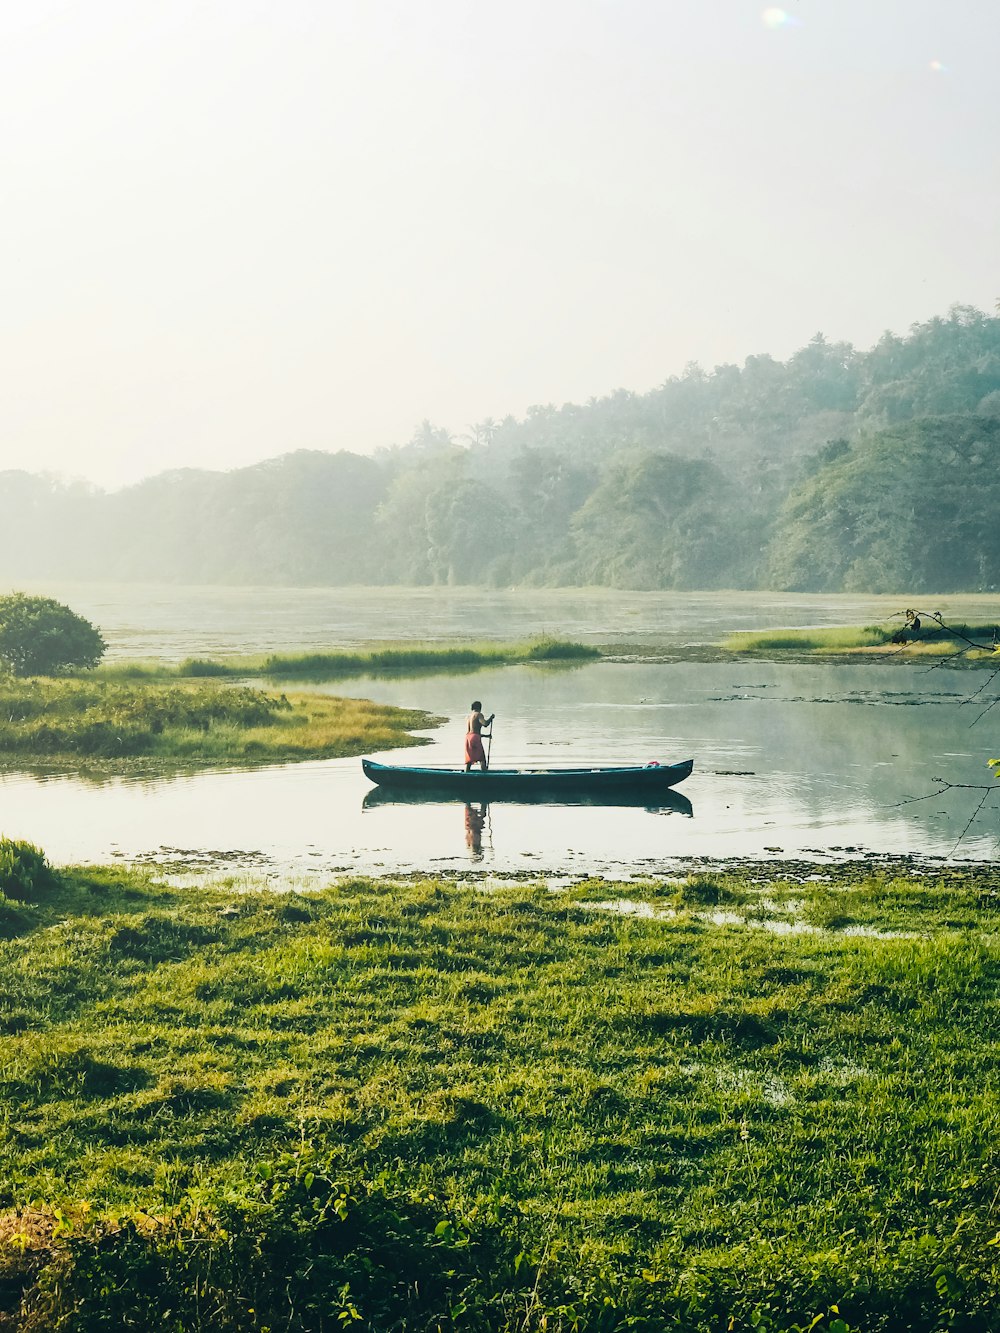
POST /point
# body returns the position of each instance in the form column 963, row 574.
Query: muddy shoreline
column 856, row 866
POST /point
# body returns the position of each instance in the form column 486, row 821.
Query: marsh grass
column 426, row 1106
column 421, row 658
column 104, row 721
column 806, row 640
column 872, row 639
column 395, row 658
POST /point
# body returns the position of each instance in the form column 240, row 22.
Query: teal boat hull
column 641, row 785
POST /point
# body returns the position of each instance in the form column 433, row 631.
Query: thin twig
column 960, row 652
column 964, row 786
column 955, row 633
column 936, row 666
column 985, row 710
column 986, row 795
column 947, row 786
column 992, row 678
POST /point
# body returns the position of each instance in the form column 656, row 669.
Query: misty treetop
column 911, row 507
column 836, row 469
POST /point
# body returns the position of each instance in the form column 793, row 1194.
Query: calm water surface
column 797, row 761
column 168, row 623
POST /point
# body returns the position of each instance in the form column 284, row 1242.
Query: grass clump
column 203, row 668
column 399, row 659
column 418, row 1107
column 834, row 640
column 24, row 871
column 107, row 722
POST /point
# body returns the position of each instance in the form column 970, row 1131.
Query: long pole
column 489, row 742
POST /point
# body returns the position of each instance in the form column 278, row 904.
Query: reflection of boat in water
column 665, row 803
column 634, row 785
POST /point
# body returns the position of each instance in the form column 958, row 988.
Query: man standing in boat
column 474, row 723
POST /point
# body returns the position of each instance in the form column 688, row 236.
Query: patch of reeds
column 834, row 639
column 396, row 658
column 402, row 659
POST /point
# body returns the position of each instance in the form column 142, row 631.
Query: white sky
column 231, row 228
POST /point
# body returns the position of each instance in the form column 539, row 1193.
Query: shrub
column 41, row 637
column 304, row 1252
column 24, row 871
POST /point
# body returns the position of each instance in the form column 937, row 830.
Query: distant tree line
column 834, row 470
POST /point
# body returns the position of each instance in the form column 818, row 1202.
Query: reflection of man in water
column 474, row 724
column 475, row 822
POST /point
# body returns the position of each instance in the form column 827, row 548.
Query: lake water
column 797, row 761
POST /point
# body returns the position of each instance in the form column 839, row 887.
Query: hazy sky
column 232, row 228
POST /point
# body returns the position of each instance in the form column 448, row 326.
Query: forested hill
column 834, row 470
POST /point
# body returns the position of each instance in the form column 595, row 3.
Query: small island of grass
column 398, row 659
column 974, row 643
column 110, row 726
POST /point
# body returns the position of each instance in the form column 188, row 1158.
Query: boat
column 640, row 784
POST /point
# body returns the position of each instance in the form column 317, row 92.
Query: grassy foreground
column 107, row 725
column 424, row 1105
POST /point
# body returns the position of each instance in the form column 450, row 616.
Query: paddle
column 489, row 741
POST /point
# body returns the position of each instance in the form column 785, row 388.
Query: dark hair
column 477, row 704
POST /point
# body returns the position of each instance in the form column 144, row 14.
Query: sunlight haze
column 234, row 228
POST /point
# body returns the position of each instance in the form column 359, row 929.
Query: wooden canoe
column 641, row 784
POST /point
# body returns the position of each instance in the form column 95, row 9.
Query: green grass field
column 722, row 1104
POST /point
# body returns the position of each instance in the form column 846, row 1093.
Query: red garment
column 474, row 752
